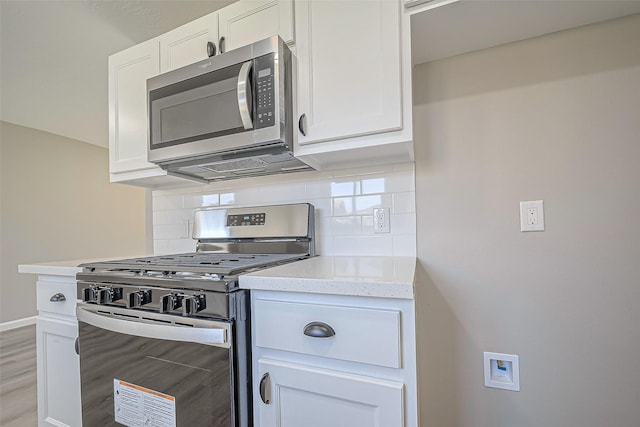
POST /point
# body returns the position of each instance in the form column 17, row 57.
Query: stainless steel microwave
column 225, row 117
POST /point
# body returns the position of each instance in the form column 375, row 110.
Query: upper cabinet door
column 248, row 21
column 128, row 74
column 188, row 44
column 349, row 68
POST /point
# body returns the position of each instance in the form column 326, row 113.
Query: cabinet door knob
column 265, row 389
column 59, row 297
column 221, row 44
column 302, row 124
column 319, row 330
column 211, row 49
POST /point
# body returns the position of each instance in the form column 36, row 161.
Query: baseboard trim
column 6, row 326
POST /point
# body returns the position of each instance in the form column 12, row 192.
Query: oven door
column 148, row 369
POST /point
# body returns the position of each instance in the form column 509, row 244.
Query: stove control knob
column 193, row 304
column 90, row 294
column 170, row 302
column 138, row 298
column 108, row 295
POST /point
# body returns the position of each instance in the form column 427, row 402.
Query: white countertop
column 61, row 268
column 385, row 277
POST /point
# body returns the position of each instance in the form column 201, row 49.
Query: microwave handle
column 244, row 95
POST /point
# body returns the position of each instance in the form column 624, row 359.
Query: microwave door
column 200, row 108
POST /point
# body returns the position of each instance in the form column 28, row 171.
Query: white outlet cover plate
column 538, row 205
column 381, row 220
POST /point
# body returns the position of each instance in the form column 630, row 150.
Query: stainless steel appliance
column 227, row 116
column 165, row 340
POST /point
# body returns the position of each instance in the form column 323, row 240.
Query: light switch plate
column 532, row 216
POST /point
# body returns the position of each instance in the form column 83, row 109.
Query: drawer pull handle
column 58, row 298
column 265, row 389
column 77, row 346
column 319, row 330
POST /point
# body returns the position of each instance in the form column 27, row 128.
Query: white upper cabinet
column 188, row 44
column 354, row 83
column 349, row 69
column 245, row 22
column 128, row 74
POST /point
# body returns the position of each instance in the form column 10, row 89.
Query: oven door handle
column 216, row 335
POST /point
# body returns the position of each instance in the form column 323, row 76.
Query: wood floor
column 18, row 400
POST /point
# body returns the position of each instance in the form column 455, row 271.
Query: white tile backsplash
column 404, row 202
column 343, row 201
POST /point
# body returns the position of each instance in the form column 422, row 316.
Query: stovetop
column 204, row 263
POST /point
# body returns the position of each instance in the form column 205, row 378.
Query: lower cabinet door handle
column 59, row 297
column 302, row 124
column 318, row 330
column 265, row 389
column 77, row 346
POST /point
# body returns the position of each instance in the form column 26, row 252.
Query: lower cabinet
column 332, row 360
column 58, row 363
column 297, row 395
column 58, row 373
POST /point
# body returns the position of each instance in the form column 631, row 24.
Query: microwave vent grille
column 277, row 158
column 236, row 165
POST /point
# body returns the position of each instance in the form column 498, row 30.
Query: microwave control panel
column 265, row 111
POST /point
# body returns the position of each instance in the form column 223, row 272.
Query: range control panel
column 246, row 219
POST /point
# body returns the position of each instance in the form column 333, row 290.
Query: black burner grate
column 200, row 262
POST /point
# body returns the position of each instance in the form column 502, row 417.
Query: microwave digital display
column 264, row 73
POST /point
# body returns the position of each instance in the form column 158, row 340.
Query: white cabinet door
column 188, row 44
column 128, row 74
column 58, row 373
column 248, row 21
column 349, row 68
column 312, row 397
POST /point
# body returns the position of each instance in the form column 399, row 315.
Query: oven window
column 196, row 376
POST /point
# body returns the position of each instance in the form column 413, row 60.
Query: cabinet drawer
column 362, row 335
column 45, row 292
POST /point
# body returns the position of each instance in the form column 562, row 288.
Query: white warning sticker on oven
column 137, row 406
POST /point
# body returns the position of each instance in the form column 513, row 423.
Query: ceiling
column 469, row 25
column 53, row 61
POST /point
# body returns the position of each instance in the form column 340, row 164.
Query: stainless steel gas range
column 165, row 340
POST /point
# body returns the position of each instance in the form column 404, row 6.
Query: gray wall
column 554, row 118
column 57, row 204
